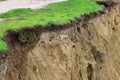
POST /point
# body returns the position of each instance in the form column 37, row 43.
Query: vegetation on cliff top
column 57, row 13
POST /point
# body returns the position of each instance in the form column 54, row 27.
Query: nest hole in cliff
column 90, row 71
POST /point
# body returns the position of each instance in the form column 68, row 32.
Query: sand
column 33, row 4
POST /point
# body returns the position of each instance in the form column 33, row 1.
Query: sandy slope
column 13, row 4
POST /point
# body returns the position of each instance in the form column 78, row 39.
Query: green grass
column 1, row 0
column 57, row 13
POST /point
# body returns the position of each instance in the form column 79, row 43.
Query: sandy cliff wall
column 88, row 49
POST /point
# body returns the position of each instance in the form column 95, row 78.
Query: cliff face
column 84, row 50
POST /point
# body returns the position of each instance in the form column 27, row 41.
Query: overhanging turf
column 57, row 13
